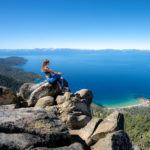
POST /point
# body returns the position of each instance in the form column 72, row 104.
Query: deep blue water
column 116, row 78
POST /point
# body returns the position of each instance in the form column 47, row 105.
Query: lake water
column 116, row 78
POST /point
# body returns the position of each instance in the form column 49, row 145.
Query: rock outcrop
column 85, row 94
column 73, row 110
column 6, row 96
column 98, row 132
column 74, row 146
column 118, row 140
column 55, row 119
column 113, row 122
column 32, row 92
column 45, row 101
column 44, row 127
column 86, row 132
column 18, row 141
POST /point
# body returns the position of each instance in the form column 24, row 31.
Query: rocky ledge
column 43, row 117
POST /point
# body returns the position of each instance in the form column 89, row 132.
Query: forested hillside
column 10, row 82
column 137, row 123
column 13, row 77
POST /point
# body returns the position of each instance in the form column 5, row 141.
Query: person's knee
column 51, row 80
column 55, row 76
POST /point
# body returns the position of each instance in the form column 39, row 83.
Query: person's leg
column 59, row 78
column 55, row 76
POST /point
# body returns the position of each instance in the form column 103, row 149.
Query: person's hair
column 45, row 62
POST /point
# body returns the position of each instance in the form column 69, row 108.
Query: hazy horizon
column 68, row 48
column 74, row 49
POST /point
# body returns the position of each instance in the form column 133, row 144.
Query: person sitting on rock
column 51, row 75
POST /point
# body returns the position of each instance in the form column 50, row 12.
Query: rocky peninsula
column 13, row 76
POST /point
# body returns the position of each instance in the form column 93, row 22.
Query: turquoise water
column 116, row 78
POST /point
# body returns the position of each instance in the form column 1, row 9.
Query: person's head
column 45, row 63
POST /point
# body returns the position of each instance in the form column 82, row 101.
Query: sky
column 83, row 24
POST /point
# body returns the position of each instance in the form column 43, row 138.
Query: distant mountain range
column 60, row 50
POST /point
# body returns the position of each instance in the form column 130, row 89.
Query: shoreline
column 140, row 101
column 143, row 102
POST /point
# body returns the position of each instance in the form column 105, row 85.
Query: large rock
column 118, row 140
column 86, row 132
column 19, row 141
column 26, row 89
column 136, row 147
column 85, row 94
column 45, row 101
column 7, row 96
column 32, row 92
column 62, row 98
column 34, row 121
column 73, row 110
column 74, row 146
column 77, row 121
column 8, row 107
column 113, row 122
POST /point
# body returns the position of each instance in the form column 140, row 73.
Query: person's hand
column 59, row 73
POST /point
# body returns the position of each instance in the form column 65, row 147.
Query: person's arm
column 51, row 71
